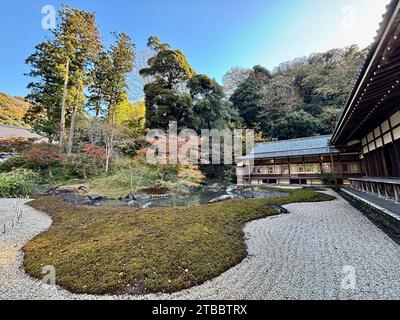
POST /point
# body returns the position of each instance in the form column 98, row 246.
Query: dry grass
column 122, row 250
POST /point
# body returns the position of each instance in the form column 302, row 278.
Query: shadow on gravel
column 388, row 226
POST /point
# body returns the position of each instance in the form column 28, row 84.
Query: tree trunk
column 50, row 172
column 72, row 131
column 64, row 100
column 111, row 142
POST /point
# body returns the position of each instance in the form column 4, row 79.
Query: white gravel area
column 308, row 254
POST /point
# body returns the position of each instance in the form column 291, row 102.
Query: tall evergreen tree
column 45, row 87
column 110, row 83
column 60, row 67
column 165, row 96
column 246, row 98
column 210, row 108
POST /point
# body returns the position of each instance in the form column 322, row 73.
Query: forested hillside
column 303, row 97
column 12, row 110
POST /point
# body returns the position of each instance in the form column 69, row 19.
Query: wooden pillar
column 320, row 163
column 394, row 142
column 369, row 187
column 274, row 166
column 379, row 190
column 386, row 192
column 333, row 169
column 396, row 193
column 250, row 172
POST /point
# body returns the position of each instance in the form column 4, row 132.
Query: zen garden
column 127, row 174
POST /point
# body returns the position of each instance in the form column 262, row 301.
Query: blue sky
column 215, row 35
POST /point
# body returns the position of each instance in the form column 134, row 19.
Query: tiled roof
column 20, row 132
column 293, row 148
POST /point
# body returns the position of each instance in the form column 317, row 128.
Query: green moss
column 120, row 250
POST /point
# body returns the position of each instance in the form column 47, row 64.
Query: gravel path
column 305, row 255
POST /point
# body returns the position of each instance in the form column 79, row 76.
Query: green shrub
column 13, row 163
column 327, row 179
column 81, row 166
column 18, row 182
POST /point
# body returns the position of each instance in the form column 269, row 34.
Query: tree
column 177, row 180
column 43, row 155
column 132, row 116
column 329, row 119
column 111, row 84
column 46, row 128
column 165, row 96
column 279, row 98
column 166, row 105
column 246, row 98
column 210, row 109
column 169, row 69
column 318, row 85
column 78, row 41
column 14, row 144
column 12, row 110
column 77, row 101
column 154, row 43
column 60, row 66
column 297, row 124
column 100, row 87
column 233, row 78
column 45, row 89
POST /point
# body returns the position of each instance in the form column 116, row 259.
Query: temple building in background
column 364, row 149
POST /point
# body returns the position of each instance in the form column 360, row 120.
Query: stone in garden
column 223, row 198
column 133, row 203
column 232, row 188
column 278, row 208
column 148, row 205
column 135, row 196
column 97, row 201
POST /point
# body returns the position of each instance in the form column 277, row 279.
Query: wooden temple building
column 364, row 149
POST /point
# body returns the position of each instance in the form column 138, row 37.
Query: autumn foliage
column 43, row 155
column 96, row 152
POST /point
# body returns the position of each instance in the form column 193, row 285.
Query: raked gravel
column 320, row 251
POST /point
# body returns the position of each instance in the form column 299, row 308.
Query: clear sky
column 215, row 35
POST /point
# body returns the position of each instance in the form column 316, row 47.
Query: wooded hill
column 300, row 98
column 12, row 110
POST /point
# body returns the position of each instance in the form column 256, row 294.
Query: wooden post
column 386, row 192
column 379, row 190
column 396, row 193
column 333, row 169
column 369, row 187
column 393, row 139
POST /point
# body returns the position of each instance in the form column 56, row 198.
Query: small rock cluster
column 132, row 199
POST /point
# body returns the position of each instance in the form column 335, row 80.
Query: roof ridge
column 297, row 139
column 14, row 127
